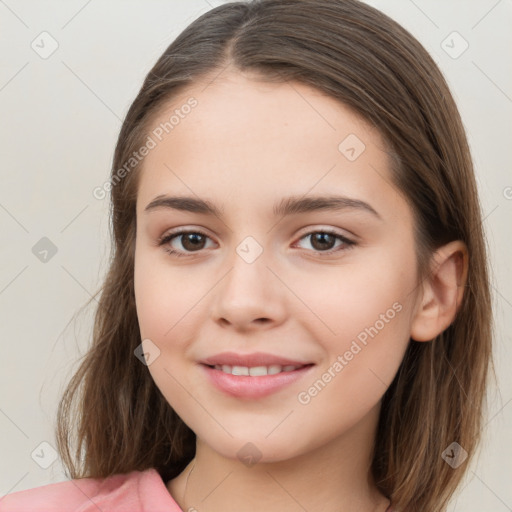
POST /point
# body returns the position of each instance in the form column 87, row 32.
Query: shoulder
column 137, row 490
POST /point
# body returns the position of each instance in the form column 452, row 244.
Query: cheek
column 372, row 328
column 164, row 296
column 150, row 299
column 165, row 309
column 362, row 319
column 350, row 298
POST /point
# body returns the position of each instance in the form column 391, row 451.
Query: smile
column 256, row 371
column 253, row 382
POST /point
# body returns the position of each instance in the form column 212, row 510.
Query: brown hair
column 112, row 408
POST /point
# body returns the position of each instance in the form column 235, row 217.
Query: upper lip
column 251, row 360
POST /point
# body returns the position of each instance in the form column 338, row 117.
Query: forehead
column 246, row 139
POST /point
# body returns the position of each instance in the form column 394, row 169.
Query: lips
column 252, row 360
column 255, row 371
column 252, row 376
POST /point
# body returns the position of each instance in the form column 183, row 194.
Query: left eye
column 194, row 241
column 323, row 240
column 191, row 241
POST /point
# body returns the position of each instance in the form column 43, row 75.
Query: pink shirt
column 138, row 491
column 143, row 491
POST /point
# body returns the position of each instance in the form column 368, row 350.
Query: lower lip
column 244, row 386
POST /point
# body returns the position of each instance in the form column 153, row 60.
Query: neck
column 331, row 478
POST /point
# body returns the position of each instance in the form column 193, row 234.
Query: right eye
column 191, row 241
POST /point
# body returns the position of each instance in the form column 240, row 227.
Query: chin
column 251, row 449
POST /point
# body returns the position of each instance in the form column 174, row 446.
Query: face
column 323, row 293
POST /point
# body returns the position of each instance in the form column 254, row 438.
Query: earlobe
column 443, row 290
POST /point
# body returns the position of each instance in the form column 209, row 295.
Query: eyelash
column 167, row 238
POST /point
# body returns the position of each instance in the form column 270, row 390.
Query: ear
column 443, row 290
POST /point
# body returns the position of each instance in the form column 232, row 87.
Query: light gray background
column 60, row 120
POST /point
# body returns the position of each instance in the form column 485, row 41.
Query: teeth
column 258, row 370
column 272, row 370
column 240, row 370
column 255, row 371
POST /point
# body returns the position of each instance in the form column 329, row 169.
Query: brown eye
column 190, row 241
column 324, row 241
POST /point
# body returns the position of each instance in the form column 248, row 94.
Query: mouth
column 256, row 371
column 253, row 382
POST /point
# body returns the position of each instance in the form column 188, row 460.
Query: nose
column 249, row 296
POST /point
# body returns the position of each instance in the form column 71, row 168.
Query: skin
column 246, row 145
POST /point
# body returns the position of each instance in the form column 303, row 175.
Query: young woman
column 297, row 312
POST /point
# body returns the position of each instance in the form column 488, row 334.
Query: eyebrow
column 292, row 205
